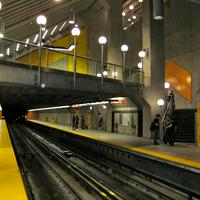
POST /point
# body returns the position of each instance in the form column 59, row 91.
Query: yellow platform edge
column 11, row 184
column 163, row 156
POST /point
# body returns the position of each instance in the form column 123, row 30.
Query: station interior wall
column 117, row 118
column 61, row 61
column 182, row 45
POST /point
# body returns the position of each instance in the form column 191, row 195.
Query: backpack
column 152, row 127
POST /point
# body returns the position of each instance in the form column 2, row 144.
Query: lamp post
column 41, row 21
column 161, row 103
column 75, row 32
column 102, row 41
column 124, row 49
column 142, row 54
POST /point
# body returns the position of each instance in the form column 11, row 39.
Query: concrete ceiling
column 19, row 16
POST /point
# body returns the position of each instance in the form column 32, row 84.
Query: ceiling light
column 27, row 41
column 167, row 85
column 102, row 40
column 158, row 9
column 43, row 28
column 35, row 39
column 104, row 106
column 8, row 51
column 43, row 85
column 75, row 31
column 0, row 5
column 123, row 14
column 140, row 65
column 114, row 74
column 2, row 28
column 48, row 108
column 129, row 19
column 17, row 47
column 160, row 102
column 105, row 73
column 62, row 26
column 131, row 7
column 45, row 33
column 124, row 48
column 142, row 54
column 52, row 32
column 90, row 107
column 71, row 17
column 98, row 74
column 140, row 1
column 41, row 20
column 134, row 17
column 1, row 55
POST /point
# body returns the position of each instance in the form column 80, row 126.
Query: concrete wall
column 182, row 43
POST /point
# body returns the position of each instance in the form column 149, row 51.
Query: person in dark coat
column 156, row 126
column 73, row 121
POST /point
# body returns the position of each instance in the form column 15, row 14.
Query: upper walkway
column 181, row 153
column 11, row 184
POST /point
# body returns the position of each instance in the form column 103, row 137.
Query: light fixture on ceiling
column 45, row 33
column 140, row 65
column 8, row 51
column 158, row 9
column 36, row 37
column 123, row 14
column 98, row 74
column 1, row 55
column 0, row 5
column 54, row 29
column 17, row 47
column 142, row 53
column 71, row 17
column 2, row 28
column 131, row 7
column 62, row 26
column 27, row 41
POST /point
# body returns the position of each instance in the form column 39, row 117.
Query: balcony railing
column 26, row 53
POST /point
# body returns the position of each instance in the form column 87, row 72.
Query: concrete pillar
column 153, row 41
column 115, row 31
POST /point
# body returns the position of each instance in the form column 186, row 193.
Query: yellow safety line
column 164, row 156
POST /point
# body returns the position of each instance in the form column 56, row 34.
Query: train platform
column 182, row 153
column 11, row 184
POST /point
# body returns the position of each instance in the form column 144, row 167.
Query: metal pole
column 47, row 58
column 74, row 61
column 124, row 69
column 40, row 55
column 102, row 67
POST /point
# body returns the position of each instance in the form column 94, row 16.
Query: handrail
column 167, row 109
column 70, row 54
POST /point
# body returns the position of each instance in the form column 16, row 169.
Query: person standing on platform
column 100, row 121
column 156, row 125
column 76, row 121
column 73, row 121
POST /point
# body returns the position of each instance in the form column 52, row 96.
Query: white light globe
column 41, row 20
column 1, row 35
column 142, row 54
column 105, row 73
column 98, row 74
column 102, row 40
column 167, row 85
column 124, row 48
column 75, row 31
column 140, row 65
column 160, row 102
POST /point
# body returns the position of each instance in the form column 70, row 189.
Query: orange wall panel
column 179, row 78
column 32, row 115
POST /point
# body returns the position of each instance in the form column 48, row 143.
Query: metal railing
column 26, row 53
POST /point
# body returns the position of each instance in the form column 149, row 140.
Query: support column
column 153, row 41
column 115, row 32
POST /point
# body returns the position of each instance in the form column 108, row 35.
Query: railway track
column 148, row 188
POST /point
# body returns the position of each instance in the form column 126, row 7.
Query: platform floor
column 181, row 153
column 11, row 184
